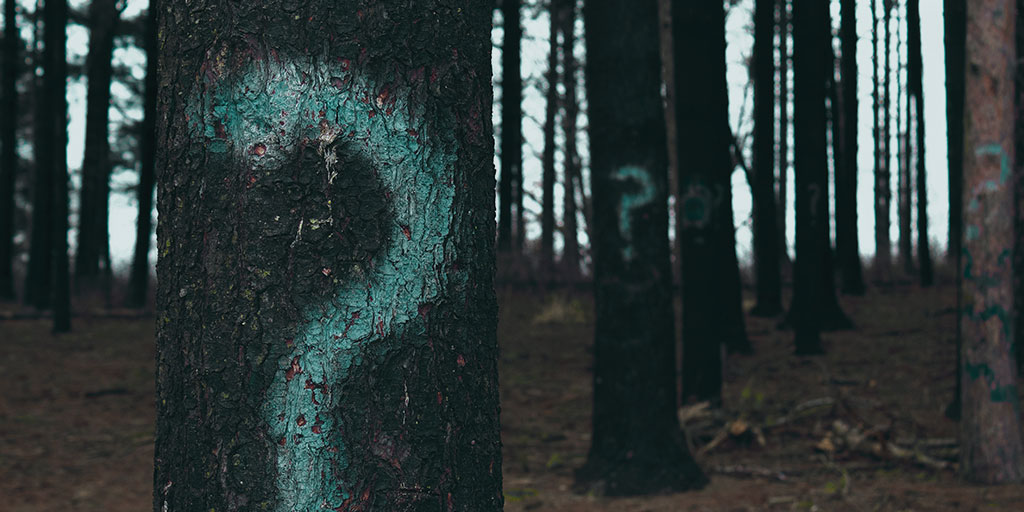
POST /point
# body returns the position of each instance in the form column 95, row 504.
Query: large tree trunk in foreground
column 511, row 120
column 847, row 237
column 767, row 256
column 92, row 252
column 991, row 450
column 9, row 155
column 636, row 446
column 704, row 207
column 327, row 319
column 138, row 285
column 916, row 87
column 955, row 23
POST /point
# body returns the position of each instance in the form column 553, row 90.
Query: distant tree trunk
column 906, row 245
column 883, row 180
column 955, row 23
column 916, row 89
column 8, row 141
column 511, row 120
column 847, row 237
column 636, row 446
column 704, row 214
column 783, row 192
column 767, row 262
column 547, row 216
column 138, row 286
column 327, row 333
column 571, row 252
column 39, row 277
column 54, row 128
column 93, row 248
column 990, row 445
column 809, row 38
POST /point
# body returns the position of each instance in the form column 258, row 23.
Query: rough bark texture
column 767, row 263
column 570, row 228
column 326, row 333
column 809, row 38
column 92, row 254
column 55, row 72
column 704, row 209
column 783, row 191
column 138, row 286
column 847, row 238
column 636, row 446
column 547, row 215
column 511, row 120
column 8, row 141
column 916, row 89
column 905, row 245
column 955, row 26
column 1018, row 195
column 991, row 450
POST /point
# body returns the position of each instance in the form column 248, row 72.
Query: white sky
column 123, row 209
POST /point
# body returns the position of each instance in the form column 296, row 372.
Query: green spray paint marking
column 632, row 201
column 263, row 114
column 1005, row 170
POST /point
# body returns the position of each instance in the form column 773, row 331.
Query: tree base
column 766, row 310
column 636, row 477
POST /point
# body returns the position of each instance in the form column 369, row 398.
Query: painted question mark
column 632, row 200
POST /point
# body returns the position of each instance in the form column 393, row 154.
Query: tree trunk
column 767, row 263
column 847, row 237
column 571, row 252
column 138, row 286
column 784, row 121
column 91, row 250
column 636, row 446
column 54, row 128
column 916, row 88
column 547, row 216
column 327, row 318
column 990, row 443
column 955, row 23
column 704, row 210
column 511, row 120
column 903, row 151
column 1018, row 196
column 39, row 277
column 8, row 141
column 883, row 184
column 809, row 38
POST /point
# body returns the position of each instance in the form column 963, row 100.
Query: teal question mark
column 632, row 200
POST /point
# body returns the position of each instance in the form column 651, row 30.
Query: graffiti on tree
column 632, row 199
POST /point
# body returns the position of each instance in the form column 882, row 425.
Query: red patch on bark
column 371, row 114
column 326, row 271
column 301, row 420
column 289, row 343
column 407, row 232
column 461, row 361
column 292, row 370
column 451, row 503
column 439, row 399
column 283, row 441
column 424, row 309
column 259, row 150
column 219, row 130
column 412, row 132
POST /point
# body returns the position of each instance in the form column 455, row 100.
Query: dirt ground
column 861, row 429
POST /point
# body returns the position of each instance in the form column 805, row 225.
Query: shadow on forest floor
column 829, row 433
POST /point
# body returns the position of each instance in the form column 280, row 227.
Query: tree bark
column 138, row 286
column 847, row 237
column 54, row 128
column 784, row 121
column 92, row 250
column 326, row 331
column 809, row 38
column 547, row 215
column 903, row 152
column 39, row 275
column 883, row 246
column 511, row 120
column 571, row 251
column 8, row 142
column 990, row 446
column 636, row 447
column 767, row 262
column 916, row 88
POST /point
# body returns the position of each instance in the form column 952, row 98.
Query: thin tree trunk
column 636, row 446
column 883, row 179
column 903, row 156
column 916, row 87
column 8, row 141
column 784, row 121
column 39, row 278
column 138, row 286
column 767, row 263
column 571, row 252
column 955, row 23
column 91, row 250
column 990, row 446
column 511, row 120
column 55, row 13
column 547, row 216
column 328, row 320
column 847, row 237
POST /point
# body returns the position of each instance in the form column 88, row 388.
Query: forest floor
column 860, row 429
